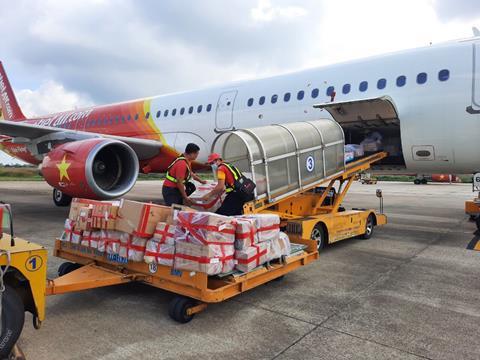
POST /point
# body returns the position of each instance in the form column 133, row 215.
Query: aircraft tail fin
column 9, row 108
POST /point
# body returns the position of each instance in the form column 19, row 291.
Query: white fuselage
column 431, row 114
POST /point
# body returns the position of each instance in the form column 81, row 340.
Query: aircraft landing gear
column 61, row 199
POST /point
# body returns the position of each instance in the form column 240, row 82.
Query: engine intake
column 93, row 168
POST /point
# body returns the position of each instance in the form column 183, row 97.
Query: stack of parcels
column 212, row 204
column 258, row 240
column 204, row 242
column 132, row 247
column 71, row 233
column 161, row 248
column 92, row 214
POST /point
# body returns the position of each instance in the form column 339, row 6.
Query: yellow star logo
column 63, row 167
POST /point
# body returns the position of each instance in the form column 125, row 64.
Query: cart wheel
column 178, row 309
column 318, row 234
column 61, row 199
column 424, row 181
column 67, row 267
column 417, row 182
column 477, row 222
column 369, row 227
column 13, row 317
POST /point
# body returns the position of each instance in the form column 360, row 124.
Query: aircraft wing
column 31, row 134
column 357, row 113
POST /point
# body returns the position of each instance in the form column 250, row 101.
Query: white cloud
column 265, row 11
column 49, row 98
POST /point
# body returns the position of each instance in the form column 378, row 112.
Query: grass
column 19, row 174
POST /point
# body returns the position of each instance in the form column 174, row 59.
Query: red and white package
column 267, row 226
column 132, row 247
column 209, row 259
column 165, row 233
column 158, row 252
column 279, row 247
column 204, row 228
column 70, row 233
column 211, row 205
column 90, row 239
column 252, row 257
column 110, row 242
column 245, row 233
column 161, row 248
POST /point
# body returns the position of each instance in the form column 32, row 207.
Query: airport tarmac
column 412, row 291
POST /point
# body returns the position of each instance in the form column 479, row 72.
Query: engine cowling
column 92, row 168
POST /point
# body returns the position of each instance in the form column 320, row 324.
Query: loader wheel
column 61, row 199
column 318, row 234
column 13, row 317
column 417, row 181
column 67, row 267
column 477, row 222
column 369, row 227
column 178, row 309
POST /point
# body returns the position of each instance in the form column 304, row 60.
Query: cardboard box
column 104, row 216
column 140, row 219
column 165, row 233
column 209, row 259
column 252, row 257
column 78, row 203
column 204, row 228
column 91, row 239
column 84, row 218
column 67, row 230
column 279, row 247
column 110, row 242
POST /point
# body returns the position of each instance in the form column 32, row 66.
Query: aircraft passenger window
column 401, row 80
column 315, row 93
column 123, row 119
column 443, row 75
column 182, row 111
column 300, row 95
column 190, row 109
column 422, row 78
column 209, row 107
column 165, row 113
column 129, row 117
column 330, row 90
column 250, row 102
column 105, row 121
column 136, row 116
column 147, row 115
column 261, row 101
column 274, row 98
column 381, row 83
column 346, row 88
column 199, row 109
column 117, row 119
column 159, row 113
column 363, row 86
column 286, row 97
column 174, row 112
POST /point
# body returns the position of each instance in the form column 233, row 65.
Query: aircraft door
column 224, row 111
column 475, row 107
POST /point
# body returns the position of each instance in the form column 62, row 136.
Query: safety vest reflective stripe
column 236, row 175
column 174, row 179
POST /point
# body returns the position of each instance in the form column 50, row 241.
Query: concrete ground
column 412, row 291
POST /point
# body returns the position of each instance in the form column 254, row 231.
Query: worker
column 227, row 176
column 177, row 186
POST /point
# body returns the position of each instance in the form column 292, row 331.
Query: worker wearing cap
column 177, row 186
column 227, row 174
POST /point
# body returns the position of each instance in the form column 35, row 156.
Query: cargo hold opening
column 370, row 126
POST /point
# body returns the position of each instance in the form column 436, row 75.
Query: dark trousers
column 232, row 205
column 171, row 195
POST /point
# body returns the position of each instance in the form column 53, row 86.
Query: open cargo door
column 364, row 117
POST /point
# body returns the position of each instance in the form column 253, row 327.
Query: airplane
column 423, row 103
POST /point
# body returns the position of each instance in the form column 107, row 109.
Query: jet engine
column 95, row 168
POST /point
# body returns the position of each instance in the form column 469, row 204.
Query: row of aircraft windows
column 117, row 119
column 443, row 75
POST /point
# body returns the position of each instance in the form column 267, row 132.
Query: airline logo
column 4, row 97
column 63, row 168
column 64, row 118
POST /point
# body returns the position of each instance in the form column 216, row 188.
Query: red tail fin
column 9, row 109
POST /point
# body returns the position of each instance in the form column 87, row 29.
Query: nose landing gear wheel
column 61, row 199
column 13, row 317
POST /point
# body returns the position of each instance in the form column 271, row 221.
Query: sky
column 61, row 55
